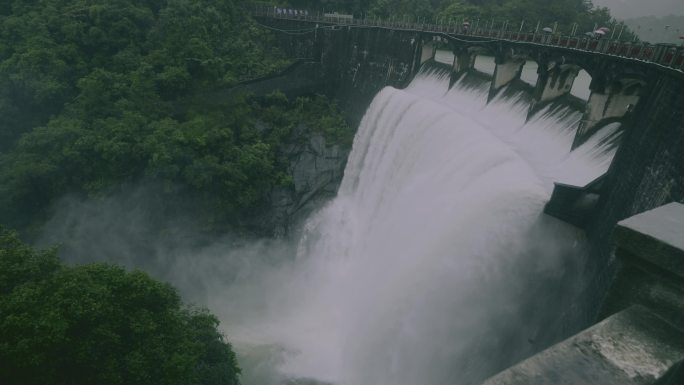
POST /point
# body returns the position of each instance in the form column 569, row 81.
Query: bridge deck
column 667, row 56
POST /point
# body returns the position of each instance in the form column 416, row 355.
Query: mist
column 433, row 264
column 243, row 281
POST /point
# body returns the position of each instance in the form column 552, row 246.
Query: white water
column 434, row 264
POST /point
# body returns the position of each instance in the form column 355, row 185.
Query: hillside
column 89, row 95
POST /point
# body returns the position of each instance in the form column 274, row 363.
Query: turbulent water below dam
column 434, row 264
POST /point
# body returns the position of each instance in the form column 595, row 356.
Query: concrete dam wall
column 355, row 63
column 647, row 172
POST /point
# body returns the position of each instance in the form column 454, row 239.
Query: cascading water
column 434, row 264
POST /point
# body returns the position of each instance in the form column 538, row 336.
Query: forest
column 96, row 94
column 89, row 101
column 90, row 94
column 99, row 324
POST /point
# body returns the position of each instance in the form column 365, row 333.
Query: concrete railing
column 668, row 55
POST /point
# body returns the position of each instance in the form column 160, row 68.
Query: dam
column 486, row 231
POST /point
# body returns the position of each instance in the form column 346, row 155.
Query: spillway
column 435, row 264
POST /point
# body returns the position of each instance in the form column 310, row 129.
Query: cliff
column 316, row 169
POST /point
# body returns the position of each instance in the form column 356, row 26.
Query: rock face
column 316, row 170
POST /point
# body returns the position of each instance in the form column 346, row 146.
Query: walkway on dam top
column 665, row 55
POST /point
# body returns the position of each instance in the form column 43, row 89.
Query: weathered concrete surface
column 464, row 61
column 608, row 103
column 642, row 339
column 427, row 51
column 358, row 63
column 574, row 204
column 650, row 254
column 647, row 172
column 656, row 236
column 555, row 81
column 506, row 71
column 632, row 347
column 355, row 62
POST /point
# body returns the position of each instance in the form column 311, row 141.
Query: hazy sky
column 623, row 9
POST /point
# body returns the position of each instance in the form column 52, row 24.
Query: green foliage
column 88, row 96
column 411, row 9
column 99, row 57
column 98, row 324
column 313, row 114
column 20, row 263
column 219, row 154
column 458, row 10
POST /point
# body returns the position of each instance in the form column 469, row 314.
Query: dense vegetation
column 100, row 94
column 98, row 59
column 98, row 324
column 546, row 12
column 90, row 93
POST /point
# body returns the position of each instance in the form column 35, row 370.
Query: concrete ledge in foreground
column 634, row 346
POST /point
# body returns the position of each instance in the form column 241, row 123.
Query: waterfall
column 435, row 264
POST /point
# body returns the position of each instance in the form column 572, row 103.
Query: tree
column 99, row 324
column 88, row 89
column 458, row 12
